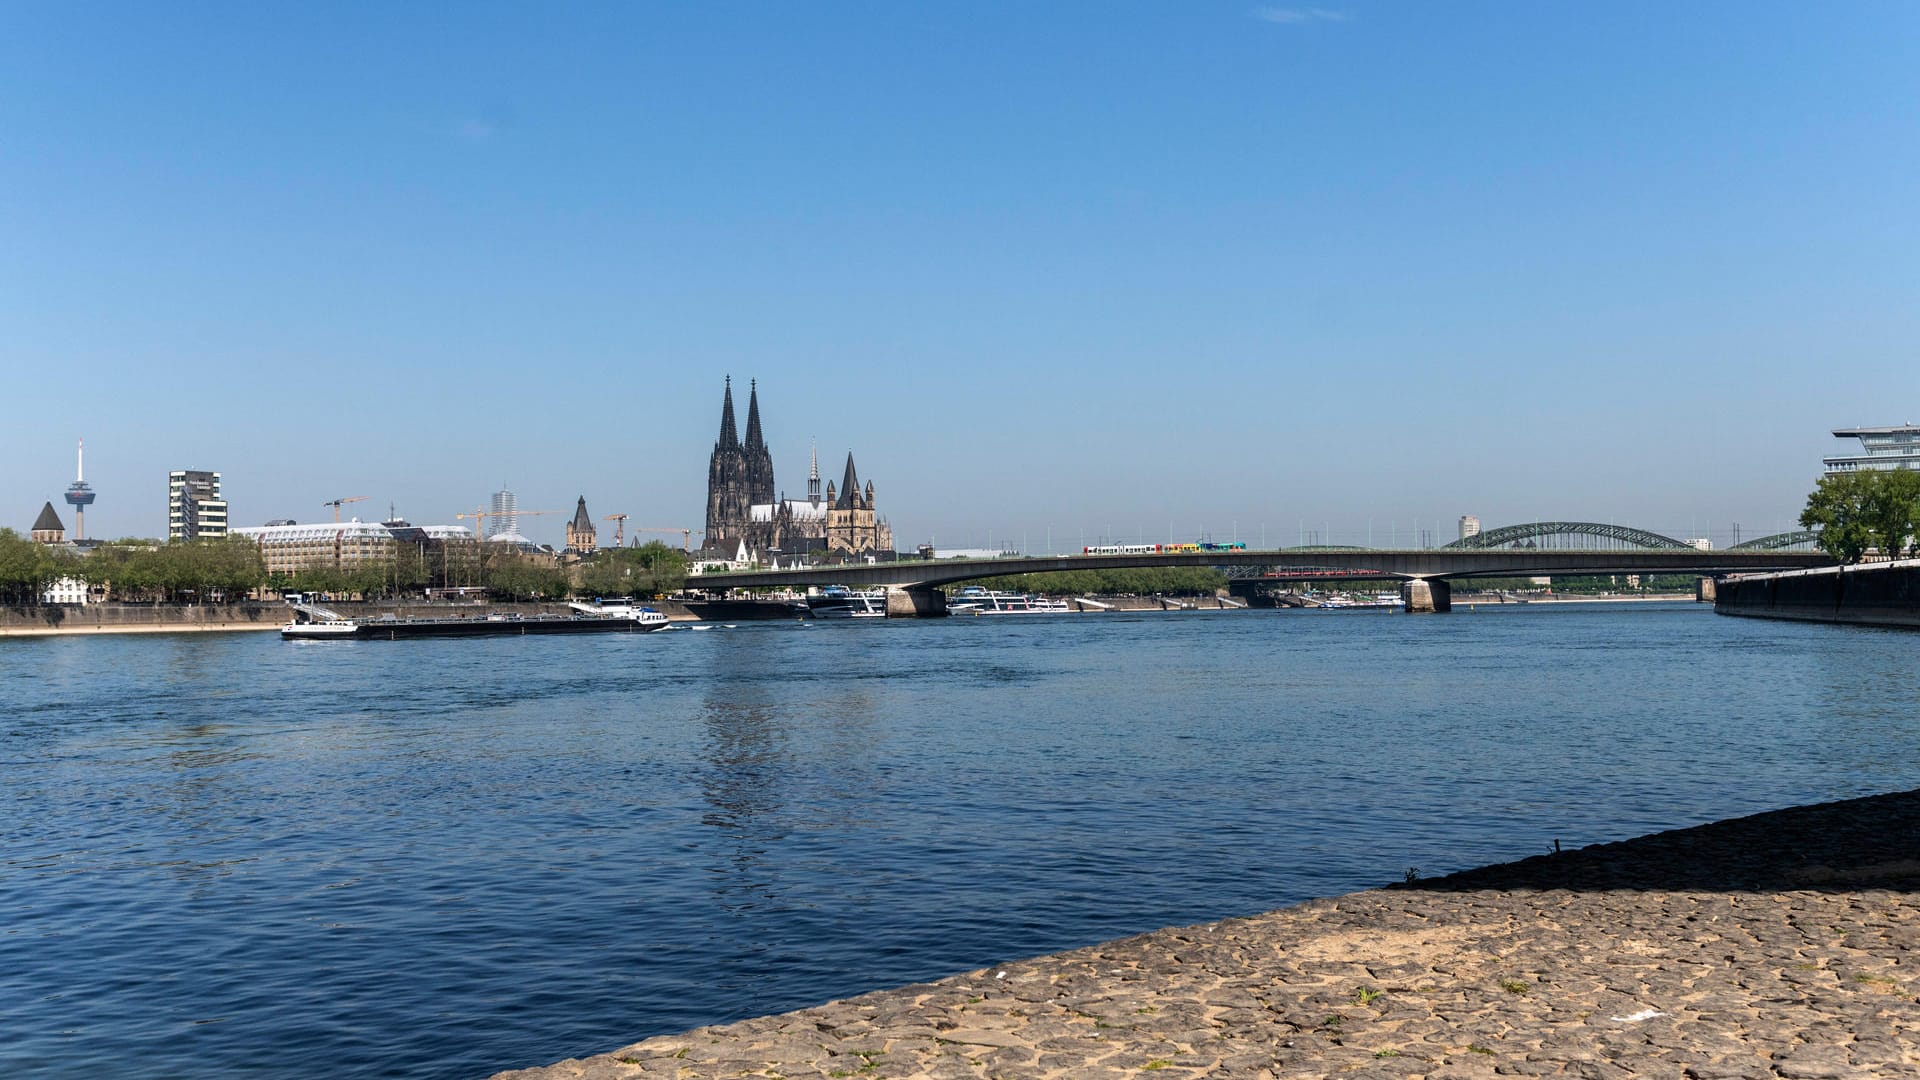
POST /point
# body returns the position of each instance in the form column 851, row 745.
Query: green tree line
column 185, row 570
column 232, row 567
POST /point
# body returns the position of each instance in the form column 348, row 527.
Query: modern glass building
column 1880, row 448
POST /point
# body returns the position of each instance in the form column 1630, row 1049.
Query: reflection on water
column 444, row 858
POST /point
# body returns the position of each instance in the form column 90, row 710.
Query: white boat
column 321, row 631
column 840, row 602
column 975, row 600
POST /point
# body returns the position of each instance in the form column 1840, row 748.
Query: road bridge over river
column 911, row 584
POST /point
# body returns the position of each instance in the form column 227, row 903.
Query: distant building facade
column 1469, row 526
column 1881, row 448
column 348, row 545
column 195, row 508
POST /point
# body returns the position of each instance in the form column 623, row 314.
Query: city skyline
column 1087, row 271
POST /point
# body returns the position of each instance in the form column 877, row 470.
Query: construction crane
column 482, row 514
column 336, row 503
column 619, row 530
column 686, row 535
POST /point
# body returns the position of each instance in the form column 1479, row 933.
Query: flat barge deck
column 392, row 629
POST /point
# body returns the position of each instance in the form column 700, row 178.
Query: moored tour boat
column 975, row 600
column 840, row 602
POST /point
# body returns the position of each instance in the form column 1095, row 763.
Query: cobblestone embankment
column 1785, row 944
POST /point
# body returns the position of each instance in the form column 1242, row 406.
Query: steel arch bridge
column 1778, row 542
column 1543, row 534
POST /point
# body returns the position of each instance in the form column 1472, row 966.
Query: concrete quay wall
column 22, row 621
column 1877, row 594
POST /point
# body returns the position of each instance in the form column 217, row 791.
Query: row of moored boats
column 312, row 622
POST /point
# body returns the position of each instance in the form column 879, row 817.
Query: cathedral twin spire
column 739, row 476
column 743, row 507
column 729, row 434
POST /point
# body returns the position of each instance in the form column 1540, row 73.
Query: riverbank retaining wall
column 136, row 618
column 1878, row 594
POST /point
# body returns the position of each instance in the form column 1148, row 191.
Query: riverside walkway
column 1784, row 944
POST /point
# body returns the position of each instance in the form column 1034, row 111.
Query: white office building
column 1880, row 448
column 195, row 509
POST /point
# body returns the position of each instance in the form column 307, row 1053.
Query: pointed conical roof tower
column 727, row 480
column 849, row 487
column 813, row 476
column 728, row 435
column 754, row 440
column 47, row 528
column 759, row 459
column 581, row 535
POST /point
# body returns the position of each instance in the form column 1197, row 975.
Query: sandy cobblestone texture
column 1781, row 945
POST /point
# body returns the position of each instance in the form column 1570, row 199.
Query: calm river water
column 227, row 855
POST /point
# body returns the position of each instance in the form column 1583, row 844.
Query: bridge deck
column 1401, row 563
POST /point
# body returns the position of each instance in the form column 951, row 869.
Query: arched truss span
column 1536, row 531
column 1778, row 542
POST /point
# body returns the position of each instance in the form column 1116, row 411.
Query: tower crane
column 686, row 535
column 336, row 503
column 619, row 529
column 481, row 515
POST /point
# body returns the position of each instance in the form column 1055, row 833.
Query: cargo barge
column 320, row 624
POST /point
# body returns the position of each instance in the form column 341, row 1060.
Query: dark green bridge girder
column 1778, row 542
column 1510, row 535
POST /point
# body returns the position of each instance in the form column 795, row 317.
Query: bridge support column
column 915, row 602
column 1427, row 596
column 1705, row 591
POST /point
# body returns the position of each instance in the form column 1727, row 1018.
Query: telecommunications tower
column 80, row 496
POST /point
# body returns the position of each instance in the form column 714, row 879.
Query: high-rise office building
column 195, row 510
column 505, row 516
column 1469, row 526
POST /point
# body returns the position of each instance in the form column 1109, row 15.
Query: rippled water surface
column 227, row 855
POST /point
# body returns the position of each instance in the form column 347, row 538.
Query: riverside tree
column 27, row 568
column 1858, row 511
column 651, row 569
column 180, row 570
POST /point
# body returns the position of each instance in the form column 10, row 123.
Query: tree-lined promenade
column 232, row 568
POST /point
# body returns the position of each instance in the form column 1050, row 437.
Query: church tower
column 727, row 495
column 581, row 535
column 759, row 460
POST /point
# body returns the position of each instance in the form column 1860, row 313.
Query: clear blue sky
column 1066, row 267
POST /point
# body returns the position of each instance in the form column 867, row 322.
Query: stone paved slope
column 1786, row 944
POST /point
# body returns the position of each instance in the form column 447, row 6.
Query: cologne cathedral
column 743, row 508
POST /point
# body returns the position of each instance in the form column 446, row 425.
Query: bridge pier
column 1427, row 596
column 910, row 602
column 1705, row 591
